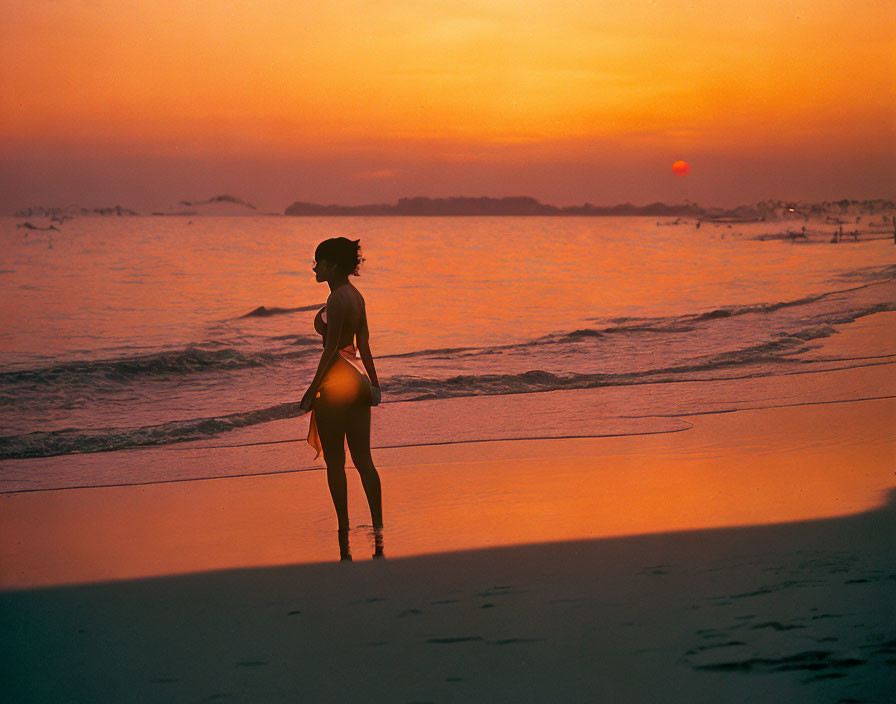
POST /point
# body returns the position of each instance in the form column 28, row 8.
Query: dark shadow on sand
column 802, row 609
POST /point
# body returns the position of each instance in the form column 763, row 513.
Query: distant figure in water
column 344, row 387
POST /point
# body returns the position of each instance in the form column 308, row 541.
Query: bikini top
column 320, row 323
column 320, row 326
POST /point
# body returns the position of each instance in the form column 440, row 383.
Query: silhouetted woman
column 344, row 387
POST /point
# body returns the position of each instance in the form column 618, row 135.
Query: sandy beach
column 601, row 298
column 717, row 564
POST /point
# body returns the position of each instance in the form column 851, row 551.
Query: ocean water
column 124, row 333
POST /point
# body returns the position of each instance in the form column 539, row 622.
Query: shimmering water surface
column 118, row 333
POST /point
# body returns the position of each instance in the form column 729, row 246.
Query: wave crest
column 125, row 369
column 63, row 442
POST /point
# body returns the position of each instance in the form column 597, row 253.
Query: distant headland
column 221, row 205
column 463, row 205
column 526, row 205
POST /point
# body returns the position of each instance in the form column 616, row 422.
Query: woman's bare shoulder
column 348, row 297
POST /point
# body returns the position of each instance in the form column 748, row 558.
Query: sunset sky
column 146, row 103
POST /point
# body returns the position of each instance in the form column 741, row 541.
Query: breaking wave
column 719, row 344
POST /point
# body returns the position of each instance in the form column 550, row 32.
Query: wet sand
column 732, row 469
column 750, row 558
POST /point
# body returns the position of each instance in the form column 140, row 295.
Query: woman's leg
column 357, row 432
column 331, row 428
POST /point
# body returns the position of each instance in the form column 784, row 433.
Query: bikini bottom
column 345, row 385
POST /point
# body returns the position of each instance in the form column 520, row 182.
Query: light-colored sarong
column 347, row 389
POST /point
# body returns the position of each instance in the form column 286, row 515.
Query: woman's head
column 342, row 253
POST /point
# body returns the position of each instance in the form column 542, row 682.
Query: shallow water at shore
column 748, row 467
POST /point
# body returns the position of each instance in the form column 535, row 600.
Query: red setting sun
column 681, row 168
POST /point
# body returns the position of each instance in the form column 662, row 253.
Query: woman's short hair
column 343, row 252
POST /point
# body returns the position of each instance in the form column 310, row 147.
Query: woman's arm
column 335, row 320
column 362, row 337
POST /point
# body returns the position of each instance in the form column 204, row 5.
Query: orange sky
column 146, row 103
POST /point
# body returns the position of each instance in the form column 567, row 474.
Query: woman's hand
column 307, row 400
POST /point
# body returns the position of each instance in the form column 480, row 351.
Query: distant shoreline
column 483, row 206
column 527, row 206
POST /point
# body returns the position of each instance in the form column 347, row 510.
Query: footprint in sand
column 409, row 612
column 713, row 646
column 499, row 591
column 658, row 570
column 808, row 661
column 368, row 600
column 480, row 639
column 748, row 655
column 777, row 626
column 511, row 641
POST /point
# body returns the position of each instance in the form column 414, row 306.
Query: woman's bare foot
column 345, row 554
column 378, row 543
